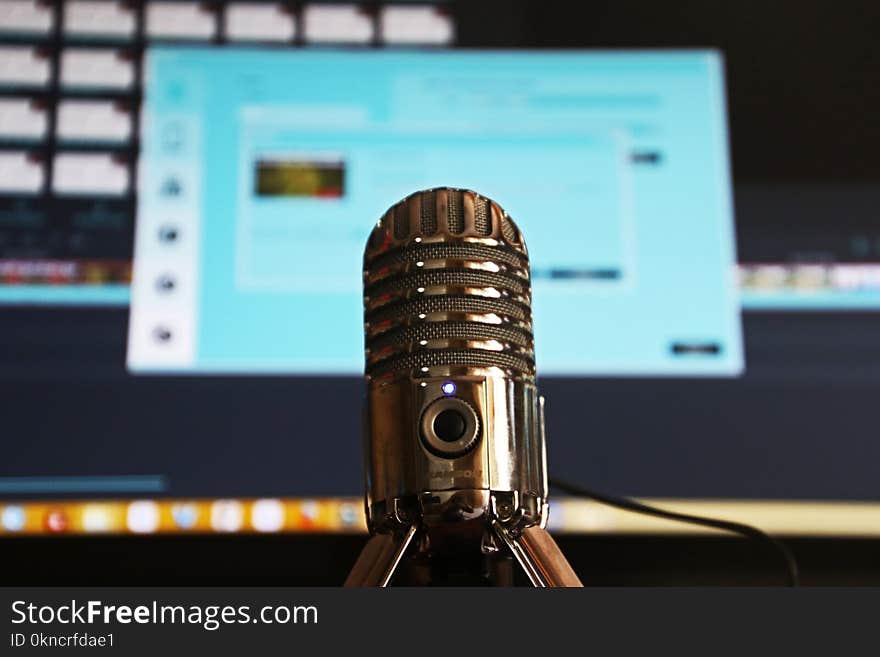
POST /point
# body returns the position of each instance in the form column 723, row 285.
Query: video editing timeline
column 146, row 516
column 256, row 199
column 345, row 515
column 70, row 90
column 845, row 286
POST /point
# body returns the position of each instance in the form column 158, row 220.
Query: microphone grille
column 447, row 289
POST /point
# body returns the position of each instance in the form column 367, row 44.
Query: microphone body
column 454, row 431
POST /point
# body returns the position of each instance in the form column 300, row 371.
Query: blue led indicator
column 448, row 388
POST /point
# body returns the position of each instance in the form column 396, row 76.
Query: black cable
column 748, row 531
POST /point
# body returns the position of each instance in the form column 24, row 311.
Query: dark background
column 802, row 76
column 801, row 423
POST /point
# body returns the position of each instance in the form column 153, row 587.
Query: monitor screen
column 186, row 189
column 256, row 197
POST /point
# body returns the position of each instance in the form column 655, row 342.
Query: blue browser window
column 262, row 173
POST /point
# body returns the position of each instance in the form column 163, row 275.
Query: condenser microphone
column 454, row 426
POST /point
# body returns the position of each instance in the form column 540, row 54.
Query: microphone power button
column 449, row 427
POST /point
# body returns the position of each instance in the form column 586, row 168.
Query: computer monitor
column 723, row 367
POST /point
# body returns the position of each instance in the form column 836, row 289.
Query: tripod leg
column 548, row 558
column 379, row 559
column 540, row 557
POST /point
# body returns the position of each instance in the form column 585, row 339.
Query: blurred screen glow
column 263, row 172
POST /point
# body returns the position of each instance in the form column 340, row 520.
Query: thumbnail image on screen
column 300, row 176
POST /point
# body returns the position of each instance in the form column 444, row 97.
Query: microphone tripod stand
column 461, row 551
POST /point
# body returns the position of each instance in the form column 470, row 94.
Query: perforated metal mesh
column 452, row 251
column 401, row 222
column 453, row 330
column 508, row 230
column 461, row 357
column 451, row 277
column 428, row 213
column 481, row 216
column 449, row 301
column 455, row 212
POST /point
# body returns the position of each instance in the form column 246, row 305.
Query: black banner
column 234, row 621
